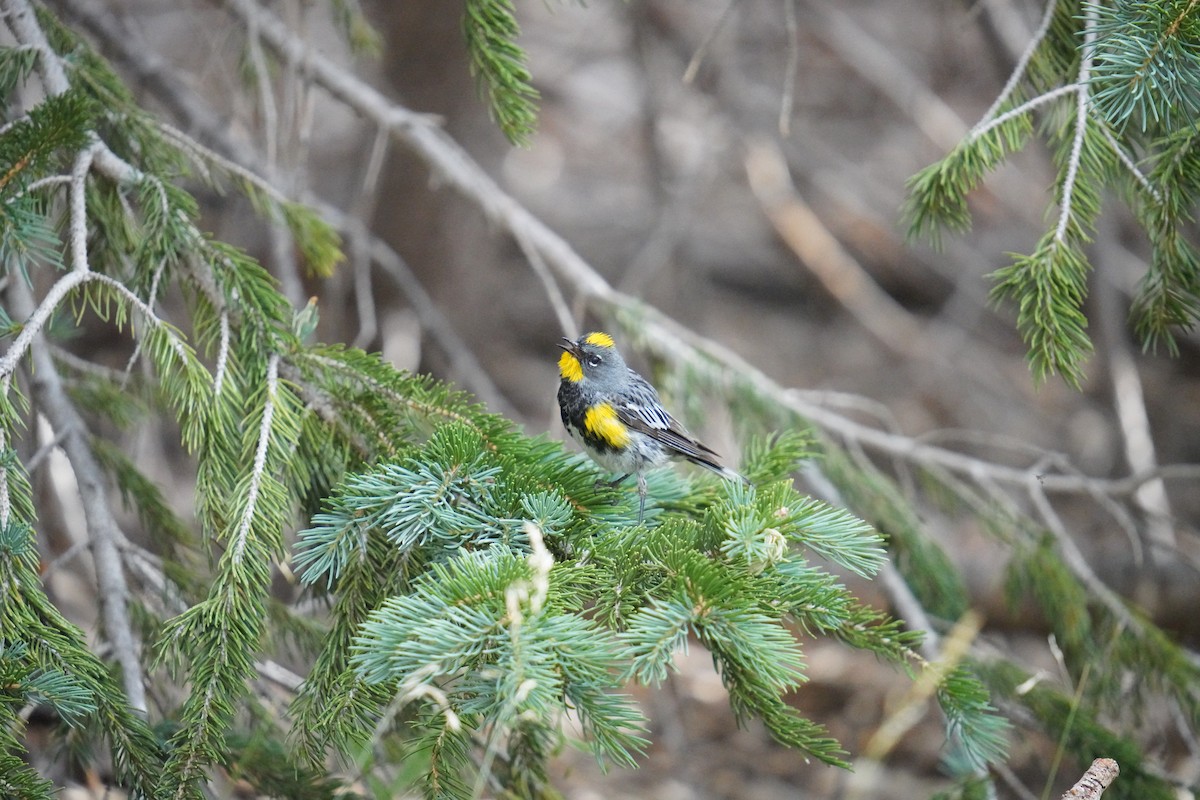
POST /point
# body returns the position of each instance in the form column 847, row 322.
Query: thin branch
column 1127, row 160
column 37, row 320
column 151, row 297
column 697, row 59
column 1075, row 560
column 788, row 99
column 364, row 205
column 41, row 183
column 5, row 492
column 259, row 467
column 1022, row 63
column 144, row 309
column 558, row 302
column 1083, row 97
column 23, row 22
column 1024, row 108
column 222, row 362
column 78, row 205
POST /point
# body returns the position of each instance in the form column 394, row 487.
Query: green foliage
column 1119, row 86
column 491, row 31
column 30, row 146
column 483, row 586
column 973, row 724
column 47, row 660
column 1146, row 71
column 1049, row 287
column 471, row 646
column 938, row 194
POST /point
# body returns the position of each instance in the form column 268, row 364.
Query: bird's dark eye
column 593, row 360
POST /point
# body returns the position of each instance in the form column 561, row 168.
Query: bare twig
column 360, row 242
column 1022, row 63
column 36, row 321
column 817, row 248
column 1098, row 777
column 1029, row 105
column 693, row 66
column 1075, row 560
column 788, row 98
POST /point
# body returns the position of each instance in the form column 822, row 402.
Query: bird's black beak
column 570, row 346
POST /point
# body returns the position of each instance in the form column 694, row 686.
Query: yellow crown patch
column 599, row 339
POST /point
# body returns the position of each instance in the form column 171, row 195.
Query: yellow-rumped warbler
column 615, row 415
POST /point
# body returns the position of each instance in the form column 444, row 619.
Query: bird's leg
column 641, row 496
column 614, row 483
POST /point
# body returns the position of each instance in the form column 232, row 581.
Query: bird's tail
column 722, row 470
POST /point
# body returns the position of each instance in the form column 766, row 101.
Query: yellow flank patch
column 569, row 367
column 601, row 421
column 599, row 339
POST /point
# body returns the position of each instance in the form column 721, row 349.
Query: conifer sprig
column 491, row 31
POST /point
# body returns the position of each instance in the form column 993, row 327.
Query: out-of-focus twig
column 1129, row 400
column 838, row 271
column 693, row 66
column 875, row 63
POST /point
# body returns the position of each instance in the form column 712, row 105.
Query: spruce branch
column 491, row 31
column 104, row 533
column 990, row 123
column 1146, row 70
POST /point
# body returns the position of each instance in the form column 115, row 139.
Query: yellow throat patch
column 601, row 421
column 569, row 368
column 599, row 339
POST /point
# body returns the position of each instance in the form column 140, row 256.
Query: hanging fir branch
column 1117, row 88
column 491, row 31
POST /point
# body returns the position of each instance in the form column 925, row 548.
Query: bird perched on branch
column 615, row 415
